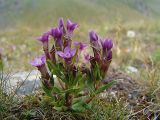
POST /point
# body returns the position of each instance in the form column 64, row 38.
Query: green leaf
column 72, row 90
column 50, row 65
column 90, row 82
column 79, row 106
column 57, row 69
column 79, row 79
column 47, row 91
column 62, row 108
column 56, row 90
column 98, row 72
column 105, row 87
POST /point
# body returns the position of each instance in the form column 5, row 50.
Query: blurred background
column 134, row 26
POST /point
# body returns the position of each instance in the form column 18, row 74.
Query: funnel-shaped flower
column 67, row 54
column 57, row 34
column 107, row 44
column 94, row 43
column 39, row 61
column 71, row 26
column 44, row 37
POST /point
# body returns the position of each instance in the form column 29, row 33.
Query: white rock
column 131, row 69
column 131, row 34
column 22, row 82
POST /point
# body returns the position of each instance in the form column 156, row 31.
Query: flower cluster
column 77, row 84
column 102, row 51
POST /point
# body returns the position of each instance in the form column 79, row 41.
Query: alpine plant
column 75, row 84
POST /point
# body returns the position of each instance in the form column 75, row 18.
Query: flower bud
column 61, row 25
column 44, row 39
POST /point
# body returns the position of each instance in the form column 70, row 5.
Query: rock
column 131, row 69
column 23, row 83
column 131, row 34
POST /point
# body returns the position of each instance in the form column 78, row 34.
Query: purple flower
column 109, row 55
column 67, row 54
column 44, row 37
column 71, row 26
column 39, row 61
column 80, row 45
column 94, row 40
column 56, row 33
column 93, row 36
column 107, row 44
column 94, row 43
column 61, row 25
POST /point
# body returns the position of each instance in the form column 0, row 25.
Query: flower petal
column 56, row 33
column 39, row 61
column 110, row 44
column 109, row 56
column 60, row 53
column 73, row 52
column 61, row 23
column 67, row 49
column 44, row 37
column 71, row 26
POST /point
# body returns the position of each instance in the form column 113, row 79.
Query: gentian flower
column 80, row 45
column 71, row 26
column 57, row 34
column 67, row 54
column 44, row 39
column 107, row 44
column 39, row 62
column 94, row 43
